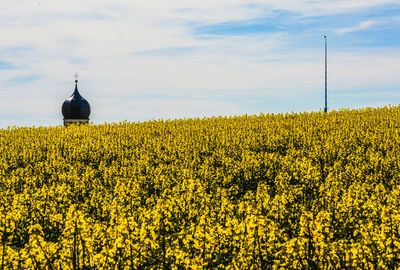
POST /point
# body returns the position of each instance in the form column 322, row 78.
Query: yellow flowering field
column 273, row 191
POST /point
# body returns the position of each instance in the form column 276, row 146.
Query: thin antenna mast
column 326, row 76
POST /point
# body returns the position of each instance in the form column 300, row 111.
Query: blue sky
column 142, row 60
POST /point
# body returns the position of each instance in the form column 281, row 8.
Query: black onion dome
column 76, row 107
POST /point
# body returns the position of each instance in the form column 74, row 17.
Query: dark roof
column 76, row 107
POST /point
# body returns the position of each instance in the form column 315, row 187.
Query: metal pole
column 326, row 76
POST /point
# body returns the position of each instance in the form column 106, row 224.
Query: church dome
column 76, row 107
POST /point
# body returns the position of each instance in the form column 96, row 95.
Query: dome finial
column 76, row 109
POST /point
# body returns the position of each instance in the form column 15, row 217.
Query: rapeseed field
column 273, row 191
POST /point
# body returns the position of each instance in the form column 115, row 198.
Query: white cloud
column 130, row 49
column 360, row 26
column 364, row 69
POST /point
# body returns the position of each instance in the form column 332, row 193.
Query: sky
column 142, row 60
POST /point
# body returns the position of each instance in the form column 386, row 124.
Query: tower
column 76, row 109
column 326, row 76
